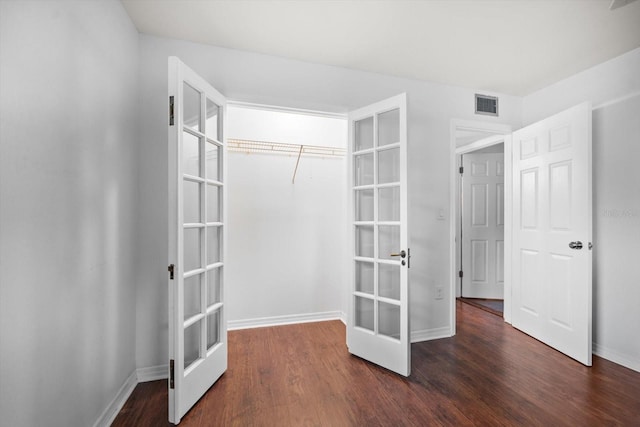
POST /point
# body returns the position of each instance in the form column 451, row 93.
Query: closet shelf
column 249, row 146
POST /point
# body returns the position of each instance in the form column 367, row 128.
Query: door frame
column 502, row 134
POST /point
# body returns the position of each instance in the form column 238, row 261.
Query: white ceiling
column 506, row 46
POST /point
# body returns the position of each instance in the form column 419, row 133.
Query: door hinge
column 171, row 111
column 461, row 170
column 171, row 266
column 171, row 374
column 460, row 274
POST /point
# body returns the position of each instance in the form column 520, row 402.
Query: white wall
column 270, row 80
column 68, row 124
column 286, row 254
column 614, row 89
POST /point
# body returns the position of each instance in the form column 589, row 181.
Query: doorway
column 287, row 215
column 481, row 228
column 472, row 140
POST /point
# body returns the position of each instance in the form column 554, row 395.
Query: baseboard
column 111, row 411
column 616, row 357
column 152, row 373
column 430, row 334
column 284, row 320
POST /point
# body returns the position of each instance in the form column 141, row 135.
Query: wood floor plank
column 489, row 374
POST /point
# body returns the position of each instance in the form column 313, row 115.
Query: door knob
column 402, row 254
column 576, row 245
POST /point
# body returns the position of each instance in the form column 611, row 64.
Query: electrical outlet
column 439, row 292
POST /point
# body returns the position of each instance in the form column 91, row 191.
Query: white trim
column 508, row 226
column 616, row 100
column 290, row 110
column 431, row 334
column 113, row 409
column 262, row 322
column 152, row 373
column 626, row 360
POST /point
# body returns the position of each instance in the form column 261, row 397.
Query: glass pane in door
column 363, row 169
column 213, row 130
column 364, row 205
column 363, row 138
column 191, row 249
column 213, row 329
column 389, row 281
column 364, row 313
column 214, row 237
column 214, row 278
column 191, row 107
column 389, row 320
column 389, row 204
column 191, row 201
column 364, row 277
column 191, row 344
column 213, row 155
column 190, row 154
column 192, row 295
column 389, row 166
column 213, row 203
column 389, row 127
column 388, row 241
column 364, row 241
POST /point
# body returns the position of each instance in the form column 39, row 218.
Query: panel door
column 483, row 225
column 378, row 309
column 551, row 253
column 197, row 214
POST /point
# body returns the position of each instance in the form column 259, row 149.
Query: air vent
column 487, row 105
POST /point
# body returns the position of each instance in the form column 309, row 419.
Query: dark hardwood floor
column 488, row 374
column 493, row 306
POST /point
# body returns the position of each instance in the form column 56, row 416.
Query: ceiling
column 506, row 46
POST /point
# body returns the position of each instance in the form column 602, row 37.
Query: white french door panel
column 197, row 246
column 552, row 214
column 378, row 308
column 483, row 225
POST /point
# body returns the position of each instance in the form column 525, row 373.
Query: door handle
column 576, row 245
column 402, row 254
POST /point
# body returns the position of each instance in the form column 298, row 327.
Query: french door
column 197, row 214
column 551, row 251
column 378, row 309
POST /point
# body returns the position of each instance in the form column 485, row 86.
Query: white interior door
column 378, row 309
column 551, row 253
column 197, row 207
column 483, row 225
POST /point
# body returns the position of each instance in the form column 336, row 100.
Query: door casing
column 502, row 134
